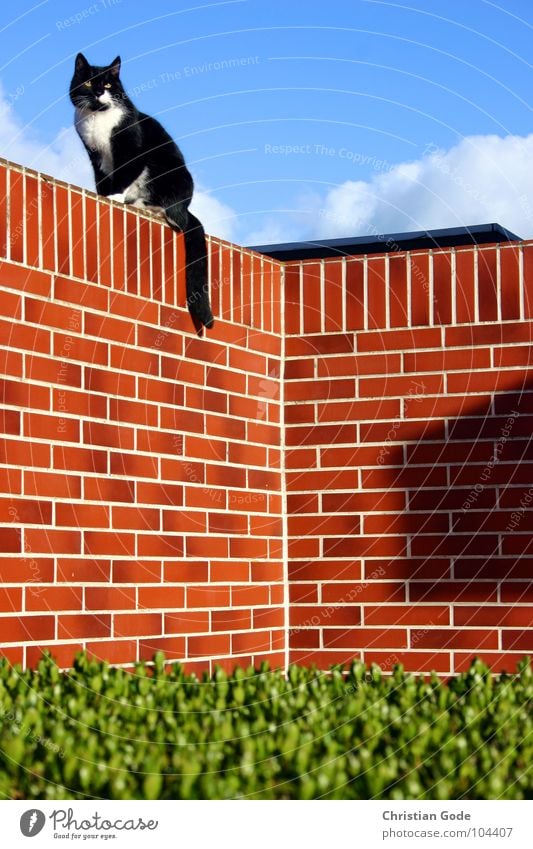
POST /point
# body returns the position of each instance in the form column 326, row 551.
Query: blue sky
column 298, row 120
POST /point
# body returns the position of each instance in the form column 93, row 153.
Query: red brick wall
column 366, row 447
column 409, row 413
column 139, row 464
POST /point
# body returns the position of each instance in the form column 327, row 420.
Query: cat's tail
column 184, row 221
column 196, row 272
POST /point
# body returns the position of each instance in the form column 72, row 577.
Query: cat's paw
column 120, row 198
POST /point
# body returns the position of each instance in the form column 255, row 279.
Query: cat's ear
column 81, row 65
column 115, row 66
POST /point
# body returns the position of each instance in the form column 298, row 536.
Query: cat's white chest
column 95, row 128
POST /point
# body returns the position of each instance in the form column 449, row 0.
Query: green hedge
column 102, row 731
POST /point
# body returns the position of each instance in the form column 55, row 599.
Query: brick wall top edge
column 78, row 190
column 296, row 263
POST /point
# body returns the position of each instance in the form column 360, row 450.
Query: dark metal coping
column 479, row 234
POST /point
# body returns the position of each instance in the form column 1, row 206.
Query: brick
column 82, row 515
column 248, row 501
column 320, row 389
column 454, row 591
column 25, row 511
column 498, row 661
column 231, row 620
column 363, row 593
column 48, row 224
column 37, row 425
column 488, row 334
column 136, row 572
column 249, row 596
column 113, row 651
column 79, row 403
column 229, row 571
column 83, row 294
column 306, row 346
column 74, row 458
column 322, row 616
column 83, row 626
column 134, row 518
column 442, row 638
column 442, row 288
column 365, row 638
column 48, row 370
column 209, row 645
column 412, row 661
column 166, row 494
column 216, row 476
column 129, row 306
column 377, row 387
column 399, row 340
column 159, row 545
column 517, row 640
column 248, row 547
column 109, row 382
column 16, row 570
column 25, row 337
column 208, row 596
column 53, row 599
column 487, row 275
column 398, row 291
column 269, row 618
column 133, row 465
column 63, row 653
column 109, row 598
column 18, row 629
column 498, row 617
column 377, row 317
column 458, row 545
column 123, row 357
column 136, row 624
column 173, row 647
column 22, row 394
column 108, row 489
column 324, row 659
column 51, row 541
column 111, row 436
column 407, row 615
column 510, row 283
column 25, row 280
column 493, row 568
column 186, row 621
column 258, row 641
column 10, row 599
column 161, row 597
column 62, row 230
column 517, row 592
column 86, row 570
column 109, row 543
column 202, row 546
column 322, row 525
column 324, row 570
column 51, row 314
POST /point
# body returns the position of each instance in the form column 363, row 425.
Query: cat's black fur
column 135, row 160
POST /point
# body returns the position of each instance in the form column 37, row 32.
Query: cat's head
column 96, row 87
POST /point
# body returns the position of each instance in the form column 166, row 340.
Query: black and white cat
column 136, row 161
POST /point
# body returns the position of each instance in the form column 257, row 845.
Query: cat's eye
column 107, row 85
column 88, row 84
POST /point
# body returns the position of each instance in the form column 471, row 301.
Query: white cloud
column 65, row 159
column 482, row 179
